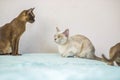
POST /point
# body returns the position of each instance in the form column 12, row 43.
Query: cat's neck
column 18, row 21
column 67, row 42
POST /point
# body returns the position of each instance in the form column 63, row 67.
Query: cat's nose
column 55, row 39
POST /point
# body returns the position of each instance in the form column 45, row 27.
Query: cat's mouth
column 32, row 20
column 60, row 41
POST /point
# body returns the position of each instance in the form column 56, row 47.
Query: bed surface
column 54, row 67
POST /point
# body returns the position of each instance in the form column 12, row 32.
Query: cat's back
column 5, row 30
column 115, row 48
column 6, row 26
column 118, row 45
column 79, row 37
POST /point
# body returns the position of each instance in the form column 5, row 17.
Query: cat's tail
column 98, row 58
column 112, row 59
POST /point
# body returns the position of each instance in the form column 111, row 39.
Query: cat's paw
column 16, row 54
column 63, row 55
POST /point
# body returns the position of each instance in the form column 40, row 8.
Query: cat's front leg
column 17, row 46
column 68, row 54
column 64, row 55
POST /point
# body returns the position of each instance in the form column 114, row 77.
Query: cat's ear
column 30, row 10
column 66, row 32
column 58, row 30
column 33, row 8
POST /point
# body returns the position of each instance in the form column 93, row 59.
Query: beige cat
column 114, row 55
column 77, row 45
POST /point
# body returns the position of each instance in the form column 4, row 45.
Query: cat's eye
column 58, row 36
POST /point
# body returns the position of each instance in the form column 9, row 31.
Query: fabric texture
column 45, row 66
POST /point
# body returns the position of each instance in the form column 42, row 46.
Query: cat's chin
column 61, row 43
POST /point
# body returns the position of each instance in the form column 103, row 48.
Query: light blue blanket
column 54, row 67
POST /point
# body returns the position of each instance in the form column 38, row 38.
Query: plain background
column 99, row 20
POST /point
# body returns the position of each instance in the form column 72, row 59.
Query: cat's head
column 27, row 15
column 61, row 37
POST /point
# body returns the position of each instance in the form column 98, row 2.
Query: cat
column 114, row 55
column 11, row 32
column 76, row 46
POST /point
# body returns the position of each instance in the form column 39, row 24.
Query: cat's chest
column 62, row 49
column 67, row 49
column 18, row 31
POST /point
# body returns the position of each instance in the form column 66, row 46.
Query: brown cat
column 11, row 32
column 114, row 55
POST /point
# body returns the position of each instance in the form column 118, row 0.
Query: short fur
column 11, row 32
column 77, row 45
column 114, row 55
